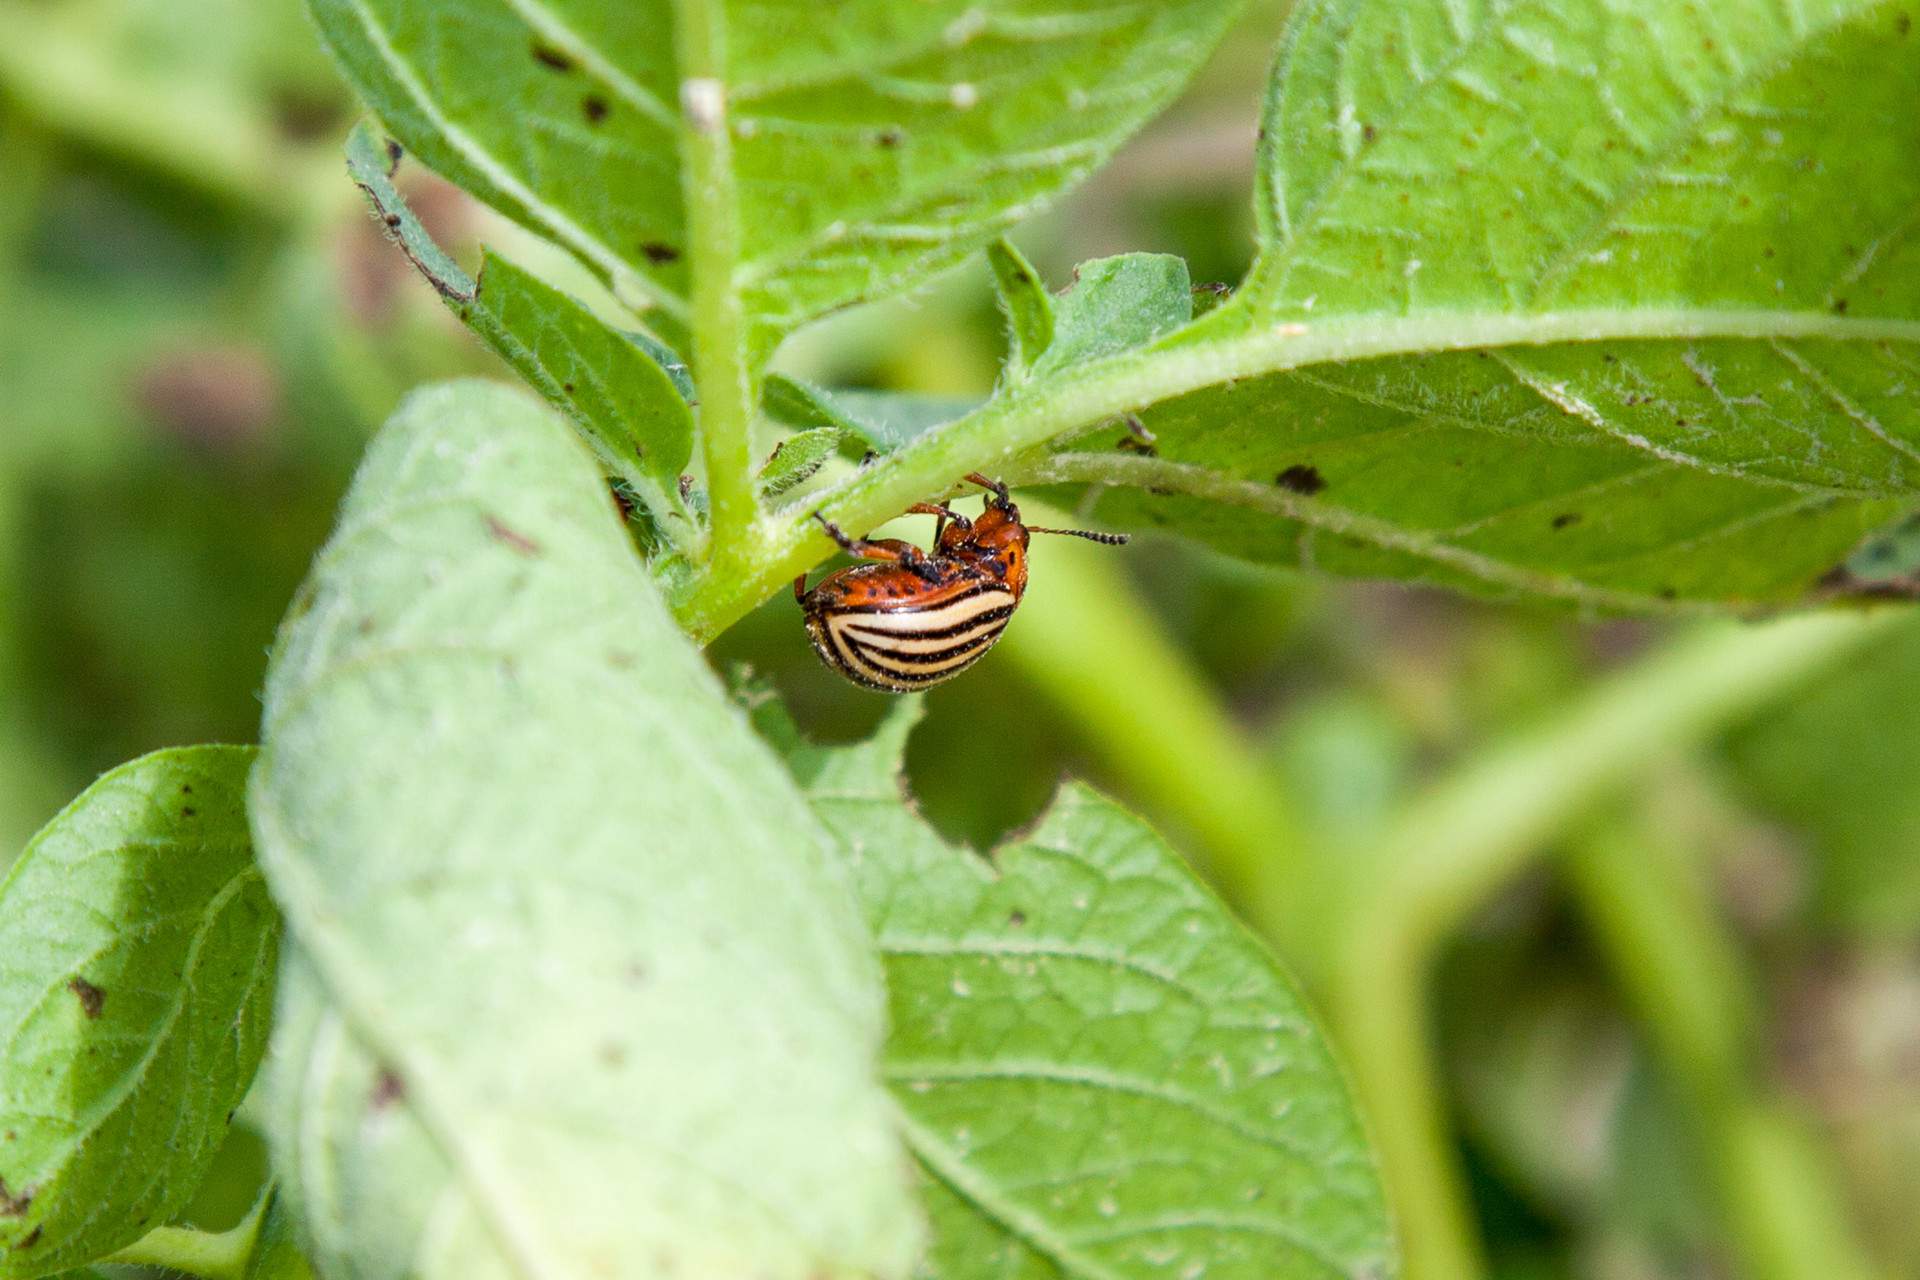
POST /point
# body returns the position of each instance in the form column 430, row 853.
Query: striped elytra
column 911, row 618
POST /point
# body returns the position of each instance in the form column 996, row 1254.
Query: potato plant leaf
column 1025, row 302
column 1543, row 304
column 627, row 395
column 868, row 149
column 556, row 909
column 134, row 991
column 1115, row 304
column 1100, row 1071
column 797, row 459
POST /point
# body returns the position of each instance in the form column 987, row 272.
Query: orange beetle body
column 913, row 618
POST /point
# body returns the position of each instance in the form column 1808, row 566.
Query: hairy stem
column 1476, row 827
column 1659, row 930
column 1089, row 642
column 718, row 324
column 1023, row 418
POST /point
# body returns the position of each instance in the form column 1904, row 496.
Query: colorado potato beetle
column 915, row 618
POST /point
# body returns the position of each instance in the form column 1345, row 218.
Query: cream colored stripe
column 907, row 643
column 914, row 621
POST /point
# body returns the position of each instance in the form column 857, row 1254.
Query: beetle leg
column 896, row 550
column 943, row 513
column 1002, row 498
column 800, row 587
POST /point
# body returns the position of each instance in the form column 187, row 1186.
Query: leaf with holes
column 861, row 153
column 553, row 906
column 1614, row 302
column 627, row 394
column 138, row 973
column 1100, row 1071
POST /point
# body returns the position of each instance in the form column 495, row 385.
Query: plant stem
column 211, row 1255
column 1024, row 417
column 1479, row 825
column 1655, row 920
column 1090, row 643
column 718, row 325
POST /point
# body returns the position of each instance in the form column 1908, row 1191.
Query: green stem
column 718, row 325
column 1089, row 642
column 1024, row 417
column 211, row 1255
column 1657, row 925
column 1479, row 825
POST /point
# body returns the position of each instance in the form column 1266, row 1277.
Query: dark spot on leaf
column 636, row 973
column 1609, row 357
column 620, row 659
column 888, row 138
column 388, row 1089
column 1768, row 251
column 612, row 1054
column 548, row 56
column 1902, row 23
column 567, row 387
column 89, row 996
column 186, row 788
column 393, row 221
column 1566, row 519
column 520, row 542
column 594, row 107
column 1839, row 306
column 658, row 253
column 1368, row 133
column 1301, row 479
column 189, row 811
column 33, row 1238
column 1016, row 917
column 1668, row 593
column 14, row 1205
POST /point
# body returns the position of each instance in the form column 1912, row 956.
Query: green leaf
column 626, row 394
column 797, row 459
column 140, row 948
column 1678, row 244
column 556, row 906
column 1116, row 304
column 1025, row 302
column 867, row 151
column 1101, row 1072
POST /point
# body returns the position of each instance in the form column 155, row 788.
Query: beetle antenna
column 1108, row 539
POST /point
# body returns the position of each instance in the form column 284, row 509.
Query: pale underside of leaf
column 577, row 926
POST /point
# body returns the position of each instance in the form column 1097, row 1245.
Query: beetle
column 914, row 618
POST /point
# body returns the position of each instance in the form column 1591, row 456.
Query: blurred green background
column 200, row 326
